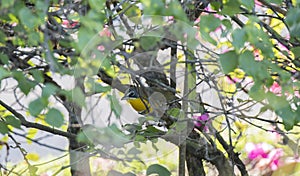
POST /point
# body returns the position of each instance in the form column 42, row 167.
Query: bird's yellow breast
column 139, row 105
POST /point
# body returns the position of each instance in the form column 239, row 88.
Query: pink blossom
column 264, row 155
column 218, row 28
column 282, row 47
column 69, row 24
column 14, row 24
column 105, row 32
column 231, row 80
column 197, row 21
column 257, row 3
column 197, row 36
column 225, row 50
column 101, row 48
column 274, row 157
column 256, row 151
column 257, row 55
column 275, row 88
column 201, row 120
column 170, row 19
column 208, row 8
column 287, row 36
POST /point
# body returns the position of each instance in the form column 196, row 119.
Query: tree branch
column 36, row 125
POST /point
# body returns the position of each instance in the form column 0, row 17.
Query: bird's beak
column 125, row 97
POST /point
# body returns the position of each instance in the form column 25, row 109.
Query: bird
column 140, row 103
column 148, row 100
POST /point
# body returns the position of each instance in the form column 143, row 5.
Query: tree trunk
column 79, row 158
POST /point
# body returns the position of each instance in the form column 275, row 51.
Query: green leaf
column 23, row 83
column 229, row 61
column 175, row 9
column 36, row 106
column 158, row 169
column 78, row 97
column 258, row 70
column 97, row 4
column 40, row 5
column 151, row 131
column 54, row 118
column 257, row 91
column 231, row 7
column 27, row 17
column 258, row 37
column 288, row 117
column 296, row 51
column 115, row 105
column 32, row 170
column 3, row 128
column 3, row 73
column 4, row 58
column 6, row 3
column 132, row 128
column 26, row 86
column 49, row 90
column 92, row 23
column 33, row 38
column 227, row 23
column 37, row 75
column 149, row 42
column 100, row 88
column 283, row 109
column 264, row 109
column 175, row 112
column 134, row 151
column 239, row 37
column 209, row 23
column 215, row 5
column 133, row 12
column 160, row 8
column 207, row 37
column 2, row 38
column 153, row 7
column 13, row 121
column 249, row 4
column 84, row 37
column 116, row 136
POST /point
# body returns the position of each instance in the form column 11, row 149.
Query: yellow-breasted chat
column 139, row 103
column 148, row 100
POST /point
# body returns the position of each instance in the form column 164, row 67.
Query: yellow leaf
column 226, row 86
column 237, row 73
column 288, row 169
column 4, row 140
column 33, row 156
column 240, row 126
column 31, row 134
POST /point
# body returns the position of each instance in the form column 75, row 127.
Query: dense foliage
column 221, row 77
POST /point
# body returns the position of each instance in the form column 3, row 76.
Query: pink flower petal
column 201, row 120
column 256, row 151
column 105, row 32
column 275, row 88
column 101, row 48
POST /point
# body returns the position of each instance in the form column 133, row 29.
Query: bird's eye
column 131, row 94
